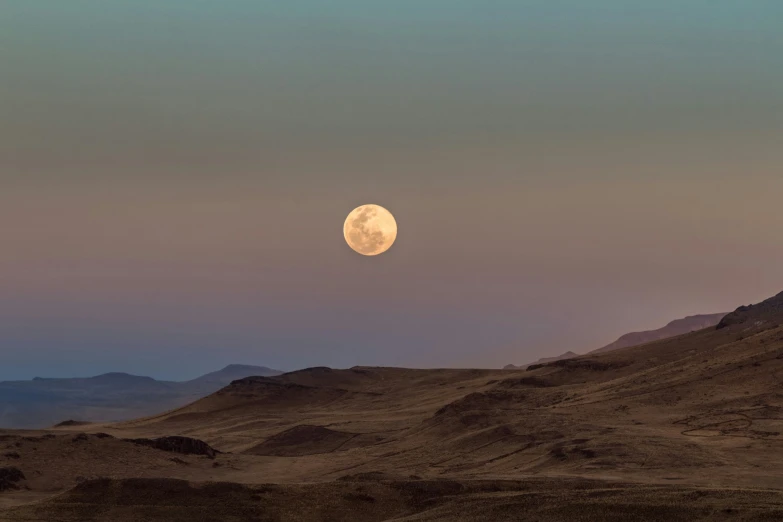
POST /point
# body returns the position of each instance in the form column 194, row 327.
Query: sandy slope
column 695, row 420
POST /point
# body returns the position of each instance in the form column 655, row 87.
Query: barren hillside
column 670, row 429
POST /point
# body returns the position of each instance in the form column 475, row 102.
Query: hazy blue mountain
column 43, row 402
column 233, row 372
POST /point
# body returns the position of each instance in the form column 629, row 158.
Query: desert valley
column 685, row 428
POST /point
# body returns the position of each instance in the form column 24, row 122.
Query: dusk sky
column 175, row 177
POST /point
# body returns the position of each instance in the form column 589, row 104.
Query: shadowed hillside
column 678, row 327
column 543, row 360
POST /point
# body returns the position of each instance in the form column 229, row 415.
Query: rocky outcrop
column 761, row 313
column 183, row 445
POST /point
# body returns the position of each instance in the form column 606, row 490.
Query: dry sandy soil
column 689, row 428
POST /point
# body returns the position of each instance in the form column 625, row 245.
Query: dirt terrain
column 688, row 428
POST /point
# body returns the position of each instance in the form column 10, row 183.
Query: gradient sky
column 175, row 176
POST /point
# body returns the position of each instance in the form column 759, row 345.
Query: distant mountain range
column 677, row 327
column 42, row 402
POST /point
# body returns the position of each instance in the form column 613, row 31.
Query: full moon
column 370, row 230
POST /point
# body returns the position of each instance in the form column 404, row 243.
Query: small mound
column 10, row 478
column 84, row 437
column 481, row 401
column 70, row 423
column 302, row 440
column 324, row 377
column 183, row 445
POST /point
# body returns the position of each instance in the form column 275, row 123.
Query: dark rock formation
column 183, row 445
column 10, row 477
column 767, row 310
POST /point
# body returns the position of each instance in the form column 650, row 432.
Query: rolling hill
column 686, row 428
column 674, row 328
column 41, row 402
column 677, row 327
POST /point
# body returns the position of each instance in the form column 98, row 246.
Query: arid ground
column 688, row 428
